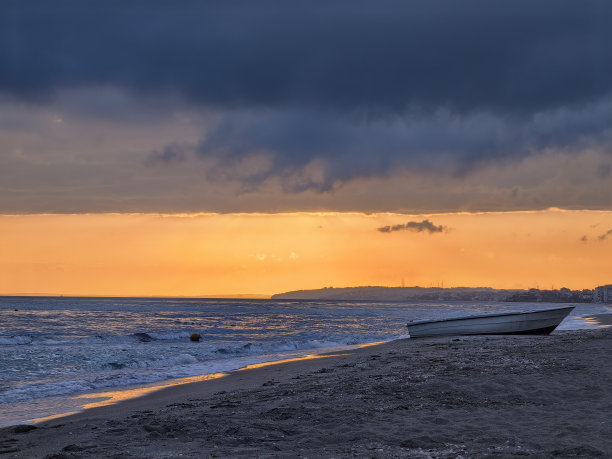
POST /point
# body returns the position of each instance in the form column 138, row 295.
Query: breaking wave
column 15, row 340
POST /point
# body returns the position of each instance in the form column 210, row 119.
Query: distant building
column 603, row 294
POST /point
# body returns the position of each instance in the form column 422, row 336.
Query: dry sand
column 540, row 396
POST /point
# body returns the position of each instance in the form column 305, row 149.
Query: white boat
column 540, row 322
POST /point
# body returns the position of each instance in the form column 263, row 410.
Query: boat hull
column 520, row 323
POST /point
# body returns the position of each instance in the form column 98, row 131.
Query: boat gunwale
column 487, row 316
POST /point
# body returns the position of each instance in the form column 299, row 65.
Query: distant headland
column 562, row 295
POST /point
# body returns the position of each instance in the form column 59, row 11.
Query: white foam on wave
column 15, row 340
column 180, row 335
column 181, row 359
column 38, row 390
column 96, row 339
column 298, row 345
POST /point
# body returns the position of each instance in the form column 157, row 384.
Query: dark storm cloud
column 314, row 95
column 419, row 227
column 358, row 147
column 382, row 57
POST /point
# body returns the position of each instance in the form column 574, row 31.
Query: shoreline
column 100, row 397
column 123, row 394
column 474, row 396
column 124, row 397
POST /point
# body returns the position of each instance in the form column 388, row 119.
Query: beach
column 498, row 396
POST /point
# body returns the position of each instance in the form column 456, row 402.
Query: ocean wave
column 84, row 384
column 36, row 390
column 15, row 340
column 296, row 345
column 178, row 360
column 170, row 335
column 61, row 340
column 132, row 374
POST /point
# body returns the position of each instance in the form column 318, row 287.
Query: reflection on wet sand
column 112, row 397
column 599, row 320
column 372, row 344
column 116, row 396
column 296, row 359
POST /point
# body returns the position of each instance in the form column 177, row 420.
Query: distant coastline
column 372, row 293
column 376, row 293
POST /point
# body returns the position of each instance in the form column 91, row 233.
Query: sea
column 60, row 355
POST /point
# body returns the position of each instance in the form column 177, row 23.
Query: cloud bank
column 385, row 57
column 306, row 99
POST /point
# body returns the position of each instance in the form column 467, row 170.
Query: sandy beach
column 504, row 396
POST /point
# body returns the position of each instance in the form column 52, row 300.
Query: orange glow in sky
column 237, row 254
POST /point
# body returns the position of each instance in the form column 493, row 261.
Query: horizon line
column 259, row 296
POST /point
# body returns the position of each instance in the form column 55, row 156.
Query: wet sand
column 602, row 319
column 505, row 396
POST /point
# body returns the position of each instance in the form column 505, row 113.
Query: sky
column 181, row 123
